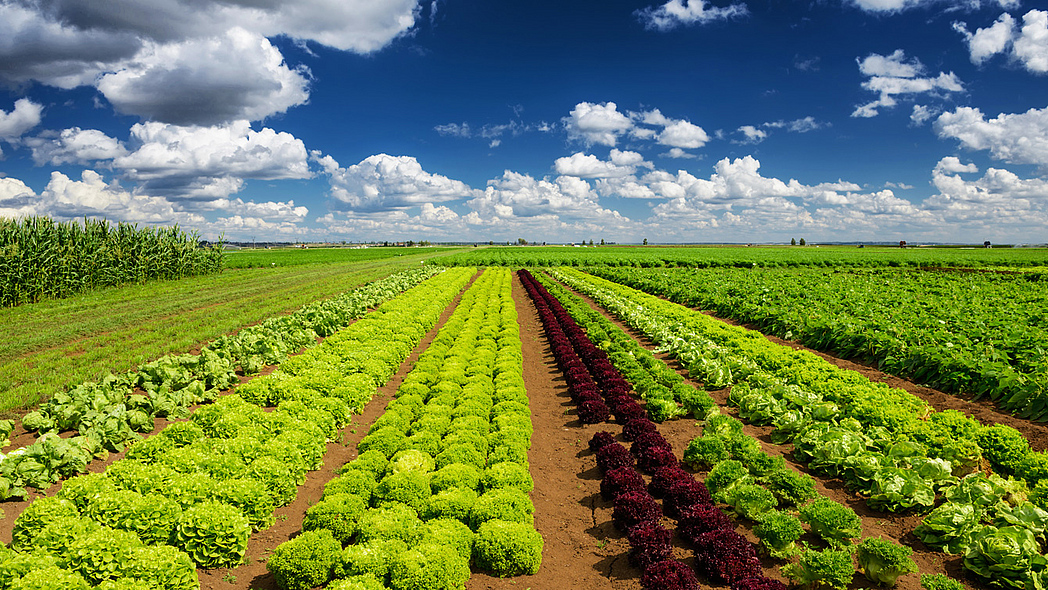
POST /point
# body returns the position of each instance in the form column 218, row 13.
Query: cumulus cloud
column 91, row 196
column 683, row 134
column 1031, row 48
column 679, row 154
column 149, row 57
column 894, row 75
column 16, row 198
column 382, row 182
column 24, row 116
column 74, row 146
column 999, row 204
column 207, row 163
column 596, row 123
column 236, row 75
column 1017, row 138
column 589, row 166
column 676, row 13
column 281, row 211
column 1027, row 45
column 953, row 165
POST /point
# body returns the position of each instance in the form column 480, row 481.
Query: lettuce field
column 512, row 418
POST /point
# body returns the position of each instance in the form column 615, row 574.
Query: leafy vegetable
column 1008, row 557
column 883, row 562
column 828, row 569
column 305, row 561
column 834, row 522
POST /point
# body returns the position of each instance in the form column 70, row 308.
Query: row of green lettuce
column 762, row 489
column 885, row 443
column 977, row 333
column 191, row 495
column 110, row 413
column 441, row 479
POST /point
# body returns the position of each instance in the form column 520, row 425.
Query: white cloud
column 1015, row 138
column 752, row 135
column 206, row 163
column 65, row 198
column 953, row 165
column 999, row 204
column 985, row 43
column 454, row 129
column 237, row 75
column 677, row 13
column 148, row 57
column 894, row 75
column 282, row 211
column 35, row 47
column 683, row 134
column 1031, row 48
column 16, row 198
column 596, row 123
column 652, row 117
column 24, row 116
column 1027, row 45
column 679, row 154
column 382, row 182
column 589, row 166
column 74, row 146
column 894, row 6
column 922, row 114
column 802, row 125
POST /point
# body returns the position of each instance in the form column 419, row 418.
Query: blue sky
column 678, row 121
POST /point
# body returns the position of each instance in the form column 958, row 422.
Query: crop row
column 884, row 442
column 190, row 496
column 108, row 414
column 665, row 393
column 981, row 333
column 441, row 479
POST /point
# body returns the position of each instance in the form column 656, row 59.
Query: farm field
column 748, row 257
column 774, row 407
column 263, row 257
column 983, row 334
column 59, row 343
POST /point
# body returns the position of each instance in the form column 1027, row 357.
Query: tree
column 793, row 241
column 591, row 241
column 602, row 241
column 645, row 241
column 802, row 241
column 522, row 242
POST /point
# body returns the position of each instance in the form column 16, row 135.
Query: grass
column 258, row 258
column 51, row 345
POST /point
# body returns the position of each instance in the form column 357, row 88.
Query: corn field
column 44, row 259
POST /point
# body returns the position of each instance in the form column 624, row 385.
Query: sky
column 553, row 121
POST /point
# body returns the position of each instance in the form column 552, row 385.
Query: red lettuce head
column 669, row 575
